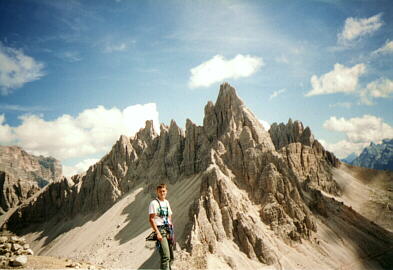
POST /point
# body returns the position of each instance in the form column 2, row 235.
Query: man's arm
column 154, row 226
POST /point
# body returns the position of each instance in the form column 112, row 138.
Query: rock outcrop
column 245, row 170
column 305, row 155
column 22, row 175
column 252, row 188
column 13, row 251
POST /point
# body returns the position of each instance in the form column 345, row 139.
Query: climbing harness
column 151, row 239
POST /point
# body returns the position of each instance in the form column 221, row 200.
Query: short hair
column 162, row 186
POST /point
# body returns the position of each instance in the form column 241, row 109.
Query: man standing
column 160, row 218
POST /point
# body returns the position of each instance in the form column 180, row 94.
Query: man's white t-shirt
column 154, row 208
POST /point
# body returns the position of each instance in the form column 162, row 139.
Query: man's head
column 161, row 191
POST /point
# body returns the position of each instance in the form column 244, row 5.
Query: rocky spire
column 294, row 131
column 305, row 155
column 229, row 115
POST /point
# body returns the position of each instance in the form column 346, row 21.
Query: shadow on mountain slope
column 181, row 196
column 348, row 228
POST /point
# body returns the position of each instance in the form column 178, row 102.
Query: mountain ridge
column 23, row 174
column 249, row 196
column 376, row 156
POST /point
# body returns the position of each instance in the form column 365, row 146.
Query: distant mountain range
column 375, row 156
column 350, row 158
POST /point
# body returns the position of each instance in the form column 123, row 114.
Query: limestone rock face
column 147, row 157
column 292, row 132
column 245, row 170
column 305, row 155
column 14, row 191
column 22, row 175
column 250, row 194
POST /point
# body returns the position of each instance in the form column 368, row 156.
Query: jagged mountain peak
column 294, row 131
column 233, row 190
column 228, row 97
column 229, row 116
column 147, row 133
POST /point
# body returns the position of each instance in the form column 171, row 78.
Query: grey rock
column 284, row 134
column 4, row 263
column 23, row 174
column 305, row 155
column 16, row 247
column 19, row 261
column 29, row 251
column 8, row 246
column 14, row 239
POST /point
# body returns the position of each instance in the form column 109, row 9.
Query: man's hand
column 159, row 236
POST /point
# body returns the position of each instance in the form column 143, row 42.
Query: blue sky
column 74, row 75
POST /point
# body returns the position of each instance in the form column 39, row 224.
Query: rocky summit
column 23, row 174
column 243, row 197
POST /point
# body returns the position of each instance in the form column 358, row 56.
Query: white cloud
column 381, row 88
column 344, row 148
column 70, row 56
column 355, row 28
column 277, row 93
column 387, row 48
column 218, row 69
column 19, row 108
column 116, row 47
column 79, row 167
column 16, row 69
column 340, row 79
column 265, row 124
column 346, row 105
column 92, row 131
column 359, row 131
column 6, row 135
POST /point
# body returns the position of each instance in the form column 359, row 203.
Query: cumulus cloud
column 387, row 48
column 218, row 69
column 16, row 69
column 340, row 79
column 359, row 132
column 344, row 148
column 91, row 132
column 6, row 135
column 265, row 124
column 277, row 93
column 381, row 88
column 355, row 28
column 368, row 128
column 79, row 167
